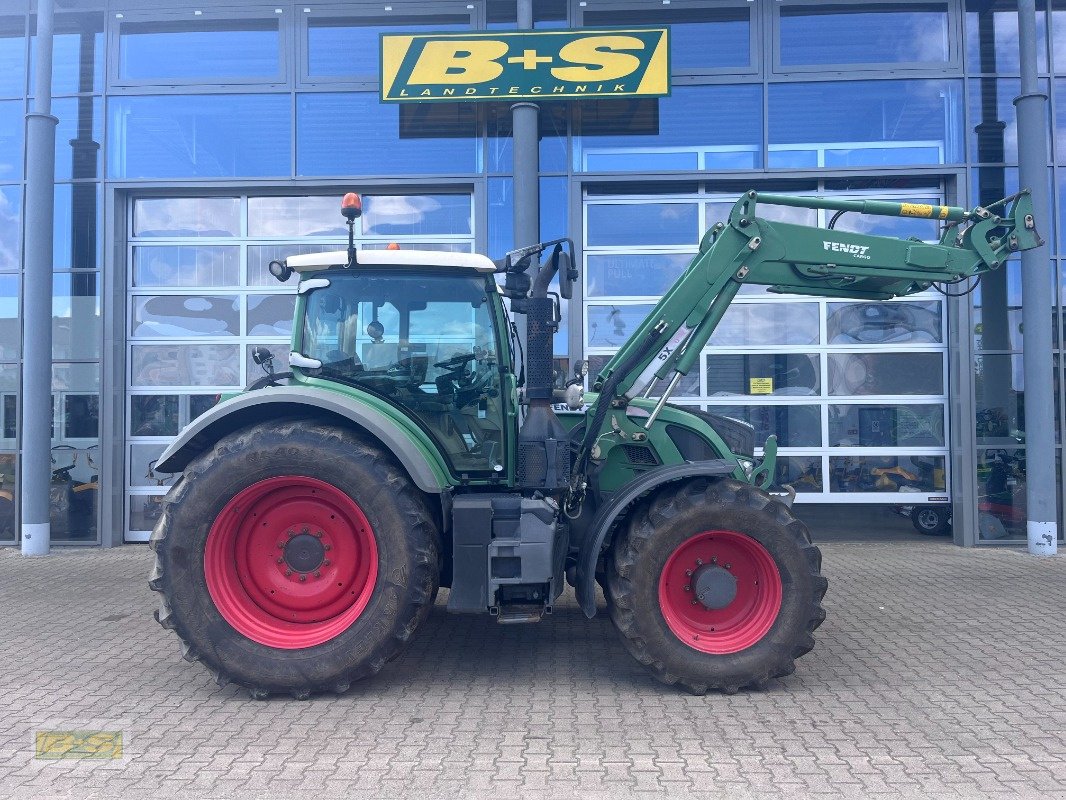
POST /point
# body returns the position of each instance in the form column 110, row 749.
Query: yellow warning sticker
column 915, row 210
column 760, row 385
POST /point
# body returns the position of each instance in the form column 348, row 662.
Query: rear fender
column 620, row 502
column 409, row 445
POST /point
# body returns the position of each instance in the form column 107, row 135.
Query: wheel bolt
column 699, row 562
column 688, row 573
column 687, row 588
column 729, row 566
column 302, row 577
column 306, row 530
column 714, row 559
column 281, row 545
column 326, row 547
column 318, row 573
column 290, row 534
column 318, row 534
column 327, row 562
column 288, row 572
column 281, row 560
column 693, row 602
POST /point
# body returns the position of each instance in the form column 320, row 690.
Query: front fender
column 620, row 501
column 406, row 444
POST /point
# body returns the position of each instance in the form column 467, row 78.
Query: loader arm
column 799, row 259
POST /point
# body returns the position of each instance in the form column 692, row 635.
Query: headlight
column 747, row 465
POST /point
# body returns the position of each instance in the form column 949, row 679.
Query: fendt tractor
column 412, row 445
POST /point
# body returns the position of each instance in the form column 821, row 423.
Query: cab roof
column 430, row 259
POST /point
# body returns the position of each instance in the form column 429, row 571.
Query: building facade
column 196, row 143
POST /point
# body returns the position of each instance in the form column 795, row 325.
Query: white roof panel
column 430, row 259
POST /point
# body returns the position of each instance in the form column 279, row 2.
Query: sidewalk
column 939, row 672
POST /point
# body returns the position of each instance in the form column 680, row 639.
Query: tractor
column 414, row 443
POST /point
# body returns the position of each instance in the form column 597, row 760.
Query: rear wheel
column 715, row 585
column 294, row 557
column 931, row 520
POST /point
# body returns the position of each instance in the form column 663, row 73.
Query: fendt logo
column 525, row 65
column 857, row 250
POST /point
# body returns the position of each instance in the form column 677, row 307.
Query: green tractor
column 412, row 446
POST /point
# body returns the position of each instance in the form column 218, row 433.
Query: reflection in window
column 81, row 416
column 333, row 130
column 1000, row 399
column 628, row 224
column 611, row 326
column 74, row 491
column 794, row 426
column 281, row 359
column 1001, row 502
column 12, row 57
column 552, row 134
column 10, row 227
column 185, row 365
column 76, row 315
column 887, row 473
column 154, row 415
column 417, row 215
column 865, row 123
column 76, row 237
column 186, row 265
column 689, row 385
column 187, row 216
column 78, row 137
column 874, row 33
column 185, row 315
column 296, row 216
column 997, row 304
column 884, row 323
column 691, row 29
column 184, row 51
column 760, row 324
column 882, row 373
column 10, row 332
column 992, row 36
column 271, row 315
column 77, row 54
column 12, row 124
column 8, row 493
column 697, row 127
column 886, row 426
column 802, row 473
column 199, row 136
column 763, row 373
column 260, row 256
column 348, row 46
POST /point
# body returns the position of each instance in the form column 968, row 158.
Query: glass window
column 758, row 324
column 281, row 359
column 886, row 426
column 187, row 216
column 629, row 224
column 992, row 36
column 794, row 426
column 1001, row 487
column 76, row 323
column 12, row 124
column 874, row 33
column 154, row 415
column 77, row 240
column 271, row 315
column 777, row 374
column 887, row 473
column 997, row 309
column 10, row 332
column 81, row 416
column 884, row 323
column 12, row 56
column 77, row 54
column 186, row 265
column 552, row 135
column 697, row 127
column 186, row 365
column 611, row 326
column 417, row 215
column 8, row 493
column 993, row 123
column 75, row 377
column 260, row 256
column 208, row 136
column 354, row 134
column 999, row 392
column 296, row 216
column 802, row 473
column 78, row 137
column 215, row 51
column 689, row 385
column 690, row 31
column 638, row 274
column 885, row 373
column 180, row 315
column 348, row 46
column 554, row 213
column 865, row 123
column 10, row 227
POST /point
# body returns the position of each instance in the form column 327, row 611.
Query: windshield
column 424, row 342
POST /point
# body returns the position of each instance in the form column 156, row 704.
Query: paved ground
column 940, row 672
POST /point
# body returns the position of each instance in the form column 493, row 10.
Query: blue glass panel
column 213, row 51
column 76, row 315
column 12, row 127
column 993, row 123
column 417, row 215
column 9, row 317
column 552, row 125
column 870, row 34
column 78, row 136
column 500, row 196
column 203, row 136
column 77, row 54
column 10, row 226
column 349, row 47
column 655, row 224
column 720, row 126
column 12, row 56
column 633, row 274
column 354, row 134
column 992, row 36
column 691, row 32
column 553, row 209
column 867, row 123
column 794, row 426
column 77, row 236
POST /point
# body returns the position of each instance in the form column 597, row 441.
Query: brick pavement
column 939, row 672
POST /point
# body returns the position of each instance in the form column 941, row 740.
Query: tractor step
column 520, row 614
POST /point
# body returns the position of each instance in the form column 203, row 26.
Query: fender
column 621, row 500
column 271, row 402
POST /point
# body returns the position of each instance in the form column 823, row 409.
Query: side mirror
column 567, row 274
column 264, row 358
column 280, row 270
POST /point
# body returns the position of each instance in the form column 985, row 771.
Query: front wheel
column 715, row 585
column 294, row 557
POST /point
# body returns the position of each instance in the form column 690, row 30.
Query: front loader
column 411, row 446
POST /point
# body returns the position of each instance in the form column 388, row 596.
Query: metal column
column 36, row 402
column 525, row 126
column 1037, row 286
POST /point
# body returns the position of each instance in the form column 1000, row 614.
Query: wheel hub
column 304, row 552
column 714, row 587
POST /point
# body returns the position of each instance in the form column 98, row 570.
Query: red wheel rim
column 736, row 576
column 291, row 562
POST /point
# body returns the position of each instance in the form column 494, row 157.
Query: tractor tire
column 931, row 520
column 294, row 557
column 716, row 585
